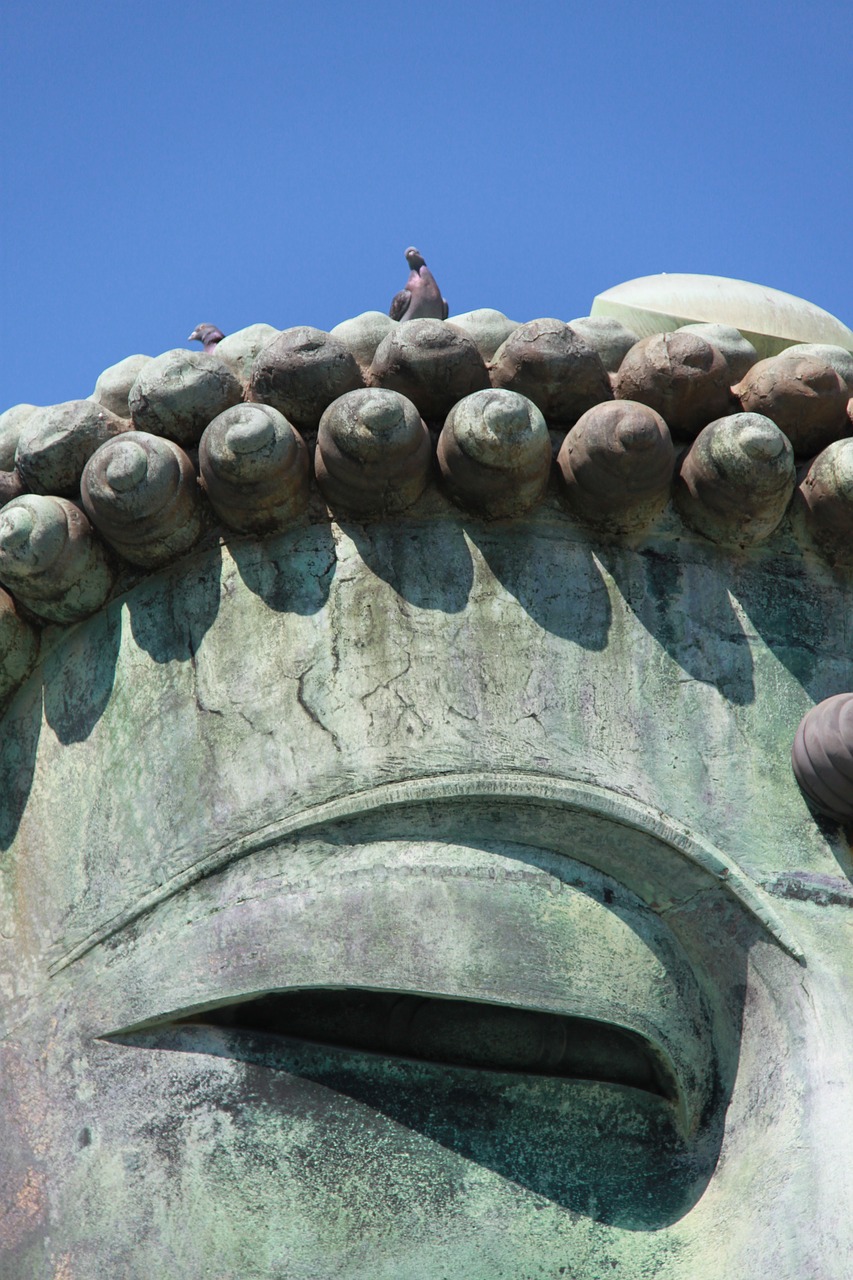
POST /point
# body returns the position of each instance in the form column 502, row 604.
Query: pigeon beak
column 194, row 336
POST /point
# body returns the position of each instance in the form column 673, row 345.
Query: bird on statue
column 207, row 334
column 421, row 298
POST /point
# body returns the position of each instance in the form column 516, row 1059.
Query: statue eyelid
column 563, row 799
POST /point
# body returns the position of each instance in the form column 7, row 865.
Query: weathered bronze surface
column 254, row 467
column 140, row 493
column 822, row 757
column 373, row 453
column 494, row 453
column 617, row 465
column 421, row 888
column 681, row 376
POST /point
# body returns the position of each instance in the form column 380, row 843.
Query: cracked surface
column 264, row 754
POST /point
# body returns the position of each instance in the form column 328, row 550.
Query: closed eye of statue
column 455, row 1033
column 497, row 1005
column 424, row 960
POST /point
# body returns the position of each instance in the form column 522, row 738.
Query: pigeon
column 421, row 299
column 208, row 334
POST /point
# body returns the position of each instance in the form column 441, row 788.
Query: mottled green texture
column 51, row 559
column 178, row 393
column 606, row 335
column 56, row 442
column 363, row 334
column 736, row 481
column 18, row 645
column 495, row 762
column 238, row 350
column 488, row 328
column 113, row 385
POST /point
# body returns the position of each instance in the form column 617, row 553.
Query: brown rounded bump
column 51, row 560
column 430, row 362
column 681, row 376
column 141, row 494
column 255, row 468
column 608, row 336
column 839, row 357
column 617, row 464
column 362, row 335
column 11, row 425
column 736, row 480
column 113, row 385
column 56, row 443
column 301, row 372
column 10, row 486
column 822, row 757
column 739, row 353
column 823, row 503
column 373, row 451
column 495, row 453
column 804, row 395
column 18, row 646
column 178, row 393
column 553, row 366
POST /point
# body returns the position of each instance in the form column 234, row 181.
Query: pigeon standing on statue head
column 208, row 335
column 421, row 298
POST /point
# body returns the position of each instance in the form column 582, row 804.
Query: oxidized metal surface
column 141, row 495
column 804, row 395
column 301, row 372
column 432, row 363
column 553, row 366
column 411, row 892
column 823, row 505
column 55, row 443
column 736, row 480
column 822, row 756
column 51, row 559
column 254, row 466
column 373, row 452
column 617, row 464
column 495, row 453
column 176, row 394
column 679, row 375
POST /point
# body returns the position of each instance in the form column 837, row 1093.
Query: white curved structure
column 770, row 319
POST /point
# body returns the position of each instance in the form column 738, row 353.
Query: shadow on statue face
column 364, row 947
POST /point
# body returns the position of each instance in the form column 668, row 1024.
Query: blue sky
column 266, row 160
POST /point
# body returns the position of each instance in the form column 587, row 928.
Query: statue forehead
column 227, row 700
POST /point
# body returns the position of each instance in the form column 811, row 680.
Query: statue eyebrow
column 572, row 795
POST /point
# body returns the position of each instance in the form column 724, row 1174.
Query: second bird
column 421, row 298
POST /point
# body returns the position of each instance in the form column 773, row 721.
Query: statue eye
column 371, row 1084
column 453, row 1033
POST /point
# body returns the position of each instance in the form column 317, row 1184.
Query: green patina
column 505, row 763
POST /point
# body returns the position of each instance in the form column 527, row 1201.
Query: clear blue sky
column 269, row 160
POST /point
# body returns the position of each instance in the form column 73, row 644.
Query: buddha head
column 403, row 869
